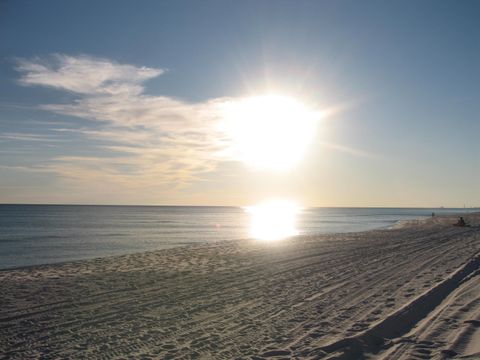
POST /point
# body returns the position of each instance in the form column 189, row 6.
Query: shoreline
column 395, row 225
column 251, row 299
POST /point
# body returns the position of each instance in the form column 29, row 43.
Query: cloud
column 29, row 137
column 142, row 140
column 349, row 150
column 85, row 75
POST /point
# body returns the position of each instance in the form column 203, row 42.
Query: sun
column 270, row 131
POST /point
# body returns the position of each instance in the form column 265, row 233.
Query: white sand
column 408, row 293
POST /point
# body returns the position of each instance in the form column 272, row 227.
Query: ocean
column 44, row 234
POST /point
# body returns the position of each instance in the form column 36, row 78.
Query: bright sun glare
column 270, row 131
column 273, row 220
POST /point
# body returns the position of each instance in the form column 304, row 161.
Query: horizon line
column 241, row 206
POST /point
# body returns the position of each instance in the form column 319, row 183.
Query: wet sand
column 412, row 292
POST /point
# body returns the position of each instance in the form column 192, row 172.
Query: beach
column 410, row 292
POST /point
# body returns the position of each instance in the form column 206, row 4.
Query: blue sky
column 403, row 76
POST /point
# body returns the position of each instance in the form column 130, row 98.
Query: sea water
column 44, row 234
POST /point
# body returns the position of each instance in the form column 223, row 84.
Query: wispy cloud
column 29, row 137
column 85, row 74
column 146, row 140
column 348, row 150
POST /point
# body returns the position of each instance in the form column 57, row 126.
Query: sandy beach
column 412, row 292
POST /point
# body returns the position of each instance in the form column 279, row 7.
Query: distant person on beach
column 433, row 214
column 460, row 222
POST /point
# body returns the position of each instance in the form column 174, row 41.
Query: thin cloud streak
column 29, row 137
column 85, row 75
column 348, row 150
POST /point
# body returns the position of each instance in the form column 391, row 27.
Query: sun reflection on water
column 273, row 220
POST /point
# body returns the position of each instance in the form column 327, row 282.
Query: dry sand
column 408, row 293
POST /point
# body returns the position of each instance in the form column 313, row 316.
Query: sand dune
column 407, row 293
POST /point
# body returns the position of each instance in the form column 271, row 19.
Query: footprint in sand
column 409, row 292
column 475, row 323
column 423, row 351
column 449, row 353
column 316, row 334
column 276, row 352
column 390, row 302
column 359, row 326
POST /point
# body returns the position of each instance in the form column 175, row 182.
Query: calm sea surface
column 42, row 234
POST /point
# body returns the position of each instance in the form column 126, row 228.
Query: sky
column 123, row 102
